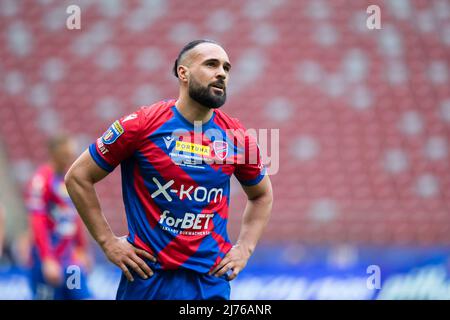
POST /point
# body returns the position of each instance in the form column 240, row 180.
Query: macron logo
column 168, row 141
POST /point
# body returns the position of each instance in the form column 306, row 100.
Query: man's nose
column 221, row 74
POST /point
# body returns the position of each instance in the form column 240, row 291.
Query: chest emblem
column 220, row 149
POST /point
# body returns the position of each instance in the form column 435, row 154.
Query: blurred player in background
column 2, row 229
column 176, row 192
column 58, row 236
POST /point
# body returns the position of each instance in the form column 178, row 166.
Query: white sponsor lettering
column 188, row 221
column 198, row 194
column 162, row 189
column 101, row 147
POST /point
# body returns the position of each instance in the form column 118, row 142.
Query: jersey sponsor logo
column 189, row 221
column 114, row 132
column 199, row 194
column 220, row 149
column 187, row 160
column 193, row 148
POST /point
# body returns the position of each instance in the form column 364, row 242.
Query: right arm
column 80, row 180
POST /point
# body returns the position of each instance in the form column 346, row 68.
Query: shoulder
column 235, row 128
column 152, row 116
column 156, row 110
column 225, row 121
column 145, row 117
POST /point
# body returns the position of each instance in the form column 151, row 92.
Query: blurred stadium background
column 364, row 119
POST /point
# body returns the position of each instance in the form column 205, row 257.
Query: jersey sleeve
column 250, row 169
column 117, row 143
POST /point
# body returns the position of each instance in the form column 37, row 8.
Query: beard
column 205, row 96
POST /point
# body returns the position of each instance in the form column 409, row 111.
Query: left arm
column 255, row 218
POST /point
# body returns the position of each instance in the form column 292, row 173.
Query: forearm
column 84, row 197
column 256, row 216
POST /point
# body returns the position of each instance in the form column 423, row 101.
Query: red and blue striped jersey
column 56, row 227
column 176, row 181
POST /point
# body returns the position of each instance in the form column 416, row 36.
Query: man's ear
column 182, row 73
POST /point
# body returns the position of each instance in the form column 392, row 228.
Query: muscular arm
column 80, row 180
column 256, row 215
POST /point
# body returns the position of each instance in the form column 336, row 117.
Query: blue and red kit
column 176, row 189
column 57, row 232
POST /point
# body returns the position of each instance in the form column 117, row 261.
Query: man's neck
column 192, row 110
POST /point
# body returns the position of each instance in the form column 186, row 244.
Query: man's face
column 207, row 75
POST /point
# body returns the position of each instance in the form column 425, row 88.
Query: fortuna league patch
column 114, row 132
column 220, row 149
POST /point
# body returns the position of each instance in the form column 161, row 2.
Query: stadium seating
column 364, row 115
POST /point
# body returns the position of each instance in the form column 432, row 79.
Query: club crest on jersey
column 114, row 132
column 220, row 149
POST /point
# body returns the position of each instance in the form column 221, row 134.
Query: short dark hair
column 186, row 48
